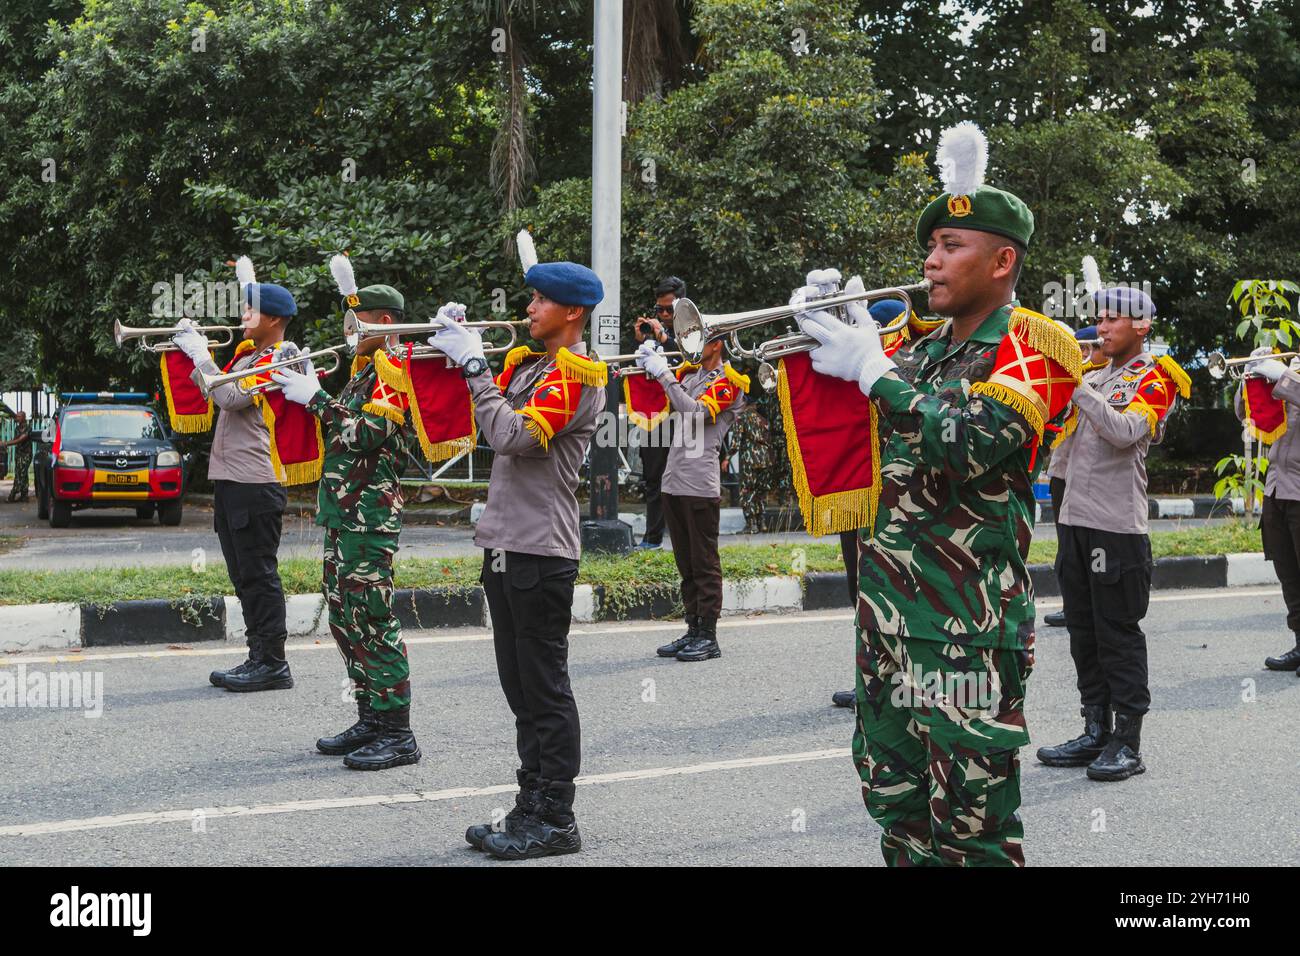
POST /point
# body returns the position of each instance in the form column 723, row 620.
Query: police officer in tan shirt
column 1104, row 559
column 538, row 416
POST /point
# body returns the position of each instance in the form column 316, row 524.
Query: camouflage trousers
column 22, row 462
column 358, row 587
column 938, row 730
column 755, row 486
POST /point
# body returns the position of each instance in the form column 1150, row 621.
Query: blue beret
column 1086, row 334
column 1126, row 301
column 566, row 283
column 270, row 299
column 886, row 310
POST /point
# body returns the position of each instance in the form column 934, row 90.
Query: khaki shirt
column 1060, row 458
column 532, row 507
column 692, row 467
column 1282, row 479
column 241, row 444
column 1106, row 472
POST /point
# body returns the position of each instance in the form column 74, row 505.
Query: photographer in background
column 654, row 450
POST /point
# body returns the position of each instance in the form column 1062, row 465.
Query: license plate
column 122, row 479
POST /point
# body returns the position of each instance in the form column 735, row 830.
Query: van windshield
column 124, row 423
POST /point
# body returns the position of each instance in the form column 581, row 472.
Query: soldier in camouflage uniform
column 22, row 441
column 367, row 441
column 945, row 617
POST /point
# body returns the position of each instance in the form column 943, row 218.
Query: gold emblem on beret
column 959, row 206
column 353, row 301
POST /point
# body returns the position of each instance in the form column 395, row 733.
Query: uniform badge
column 547, row 392
column 1137, row 364
column 1130, row 378
column 1154, row 387
column 1117, row 395
column 959, row 206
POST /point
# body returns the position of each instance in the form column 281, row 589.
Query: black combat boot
column 269, row 669
column 364, row 731
column 705, row 646
column 1084, row 749
column 394, row 746
column 526, row 801
column 1122, row 757
column 218, row 678
column 1055, row 619
column 845, row 698
column 548, row 830
column 692, row 634
column 1290, row 661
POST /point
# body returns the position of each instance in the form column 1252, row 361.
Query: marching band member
column 538, row 415
column 1090, row 348
column 359, row 503
column 707, row 398
column 945, row 596
column 249, row 499
column 1104, row 559
column 1280, row 519
column 655, row 443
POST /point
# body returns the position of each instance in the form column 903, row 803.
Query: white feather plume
column 527, row 251
column 341, row 267
column 1091, row 276
column 244, row 271
column 962, row 158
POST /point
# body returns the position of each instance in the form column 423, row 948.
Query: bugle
column 126, row 333
column 1220, row 365
column 355, row 330
column 246, row 379
column 622, row 365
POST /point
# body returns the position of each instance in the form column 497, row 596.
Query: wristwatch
column 475, row 366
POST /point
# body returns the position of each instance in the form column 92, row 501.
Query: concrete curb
column 55, row 627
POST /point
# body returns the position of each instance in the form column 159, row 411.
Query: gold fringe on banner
column 838, row 511
column 302, row 472
column 636, row 418
column 1067, row 427
column 186, row 424
column 1267, row 437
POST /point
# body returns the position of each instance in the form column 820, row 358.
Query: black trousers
column 531, row 601
column 1056, row 488
column 653, row 460
column 693, row 526
column 248, row 519
column 1279, row 523
column 1106, row 586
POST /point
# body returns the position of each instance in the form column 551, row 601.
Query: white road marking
column 382, row 799
column 222, row 649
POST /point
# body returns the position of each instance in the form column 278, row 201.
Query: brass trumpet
column 1220, row 365
column 622, row 365
column 355, row 330
column 244, row 378
column 694, row 329
column 125, row 333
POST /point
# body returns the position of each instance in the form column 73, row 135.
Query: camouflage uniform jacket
column 365, row 455
column 947, row 558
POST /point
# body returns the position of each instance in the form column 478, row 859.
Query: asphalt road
column 115, row 538
column 736, row 761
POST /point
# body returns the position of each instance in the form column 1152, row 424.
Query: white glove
column 1270, row 369
column 297, row 386
column 823, row 278
column 848, row 352
column 1264, row 351
column 859, row 314
column 650, row 358
column 452, row 338
column 191, row 341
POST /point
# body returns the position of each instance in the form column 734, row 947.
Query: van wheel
column 42, row 505
column 60, row 514
column 169, row 513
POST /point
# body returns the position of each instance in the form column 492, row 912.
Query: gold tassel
column 391, row 412
column 1047, row 338
column 735, row 378
column 1067, row 427
column 1013, row 400
column 358, row 363
column 851, row 510
column 1175, row 372
column 582, row 369
column 392, row 374
column 1266, row 437
column 517, row 355
column 536, row 428
column 1140, row 405
column 186, row 424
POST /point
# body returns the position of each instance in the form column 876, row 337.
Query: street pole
column 603, row 531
